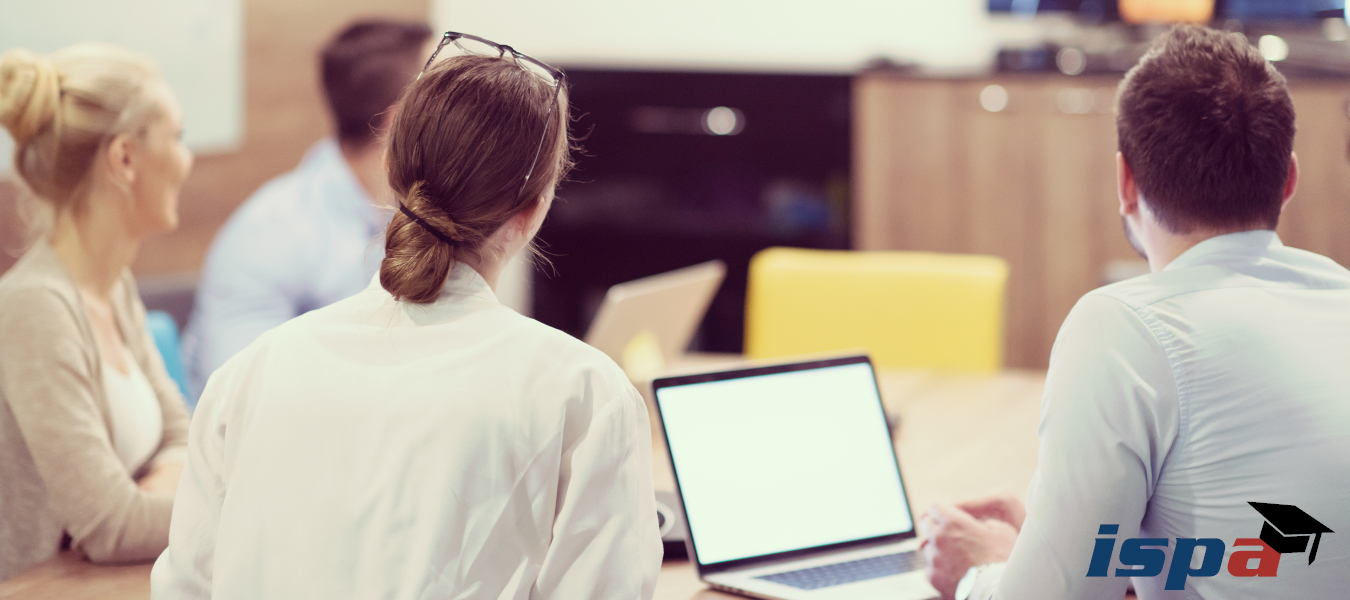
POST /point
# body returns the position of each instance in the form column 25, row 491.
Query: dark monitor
column 1280, row 10
column 679, row 168
column 1091, row 10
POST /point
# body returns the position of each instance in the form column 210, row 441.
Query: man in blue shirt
column 312, row 236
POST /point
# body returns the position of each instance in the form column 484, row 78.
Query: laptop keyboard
column 814, row 578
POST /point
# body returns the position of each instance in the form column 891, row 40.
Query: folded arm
column 48, row 380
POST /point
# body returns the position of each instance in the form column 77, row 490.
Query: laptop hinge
column 704, row 572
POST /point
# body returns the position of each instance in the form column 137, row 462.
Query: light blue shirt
column 304, row 240
column 1173, row 400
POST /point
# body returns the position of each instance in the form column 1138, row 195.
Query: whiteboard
column 197, row 44
column 748, row 35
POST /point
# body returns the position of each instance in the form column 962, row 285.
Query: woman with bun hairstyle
column 92, row 429
column 419, row 439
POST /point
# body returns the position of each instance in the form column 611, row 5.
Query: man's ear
column 1126, row 188
column 1290, row 184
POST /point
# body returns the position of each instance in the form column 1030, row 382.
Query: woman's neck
column 95, row 248
column 490, row 270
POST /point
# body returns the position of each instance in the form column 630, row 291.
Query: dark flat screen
column 1090, row 10
column 1279, row 10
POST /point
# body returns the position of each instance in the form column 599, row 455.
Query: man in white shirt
column 1195, row 429
column 314, row 235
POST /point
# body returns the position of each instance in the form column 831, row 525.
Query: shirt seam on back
column 1164, row 340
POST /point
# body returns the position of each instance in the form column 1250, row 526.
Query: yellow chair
column 1166, row 11
column 907, row 309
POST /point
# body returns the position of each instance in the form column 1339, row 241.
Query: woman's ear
column 120, row 163
column 540, row 212
column 527, row 222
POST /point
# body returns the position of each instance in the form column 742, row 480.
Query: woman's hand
column 162, row 479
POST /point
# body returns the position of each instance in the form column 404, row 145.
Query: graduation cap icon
column 1288, row 529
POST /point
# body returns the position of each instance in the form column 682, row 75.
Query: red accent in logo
column 1267, row 559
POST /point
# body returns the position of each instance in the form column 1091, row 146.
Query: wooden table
column 959, row 436
column 69, row 577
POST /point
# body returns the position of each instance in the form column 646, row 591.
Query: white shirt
column 380, row 449
column 133, row 408
column 1176, row 398
column 304, row 240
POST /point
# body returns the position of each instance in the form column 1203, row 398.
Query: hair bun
column 432, row 218
column 30, row 94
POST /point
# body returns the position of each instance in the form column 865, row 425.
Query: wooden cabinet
column 1318, row 218
column 1034, row 182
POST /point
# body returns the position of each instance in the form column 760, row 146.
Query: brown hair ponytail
column 462, row 139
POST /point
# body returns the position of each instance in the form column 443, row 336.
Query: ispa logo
column 1287, row 530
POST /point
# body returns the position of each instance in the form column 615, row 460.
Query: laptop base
column 912, row 585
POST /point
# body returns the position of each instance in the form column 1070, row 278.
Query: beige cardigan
column 58, row 469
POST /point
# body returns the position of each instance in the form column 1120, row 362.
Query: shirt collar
column 463, row 281
column 1224, row 248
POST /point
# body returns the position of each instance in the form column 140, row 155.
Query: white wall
column 198, row 45
column 816, row 35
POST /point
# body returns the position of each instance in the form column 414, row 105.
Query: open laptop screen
column 772, row 463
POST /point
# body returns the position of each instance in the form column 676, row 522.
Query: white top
column 379, row 449
column 1176, row 398
column 137, row 421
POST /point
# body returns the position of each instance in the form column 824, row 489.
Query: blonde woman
column 92, row 430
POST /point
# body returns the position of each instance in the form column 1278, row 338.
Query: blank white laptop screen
column 785, row 461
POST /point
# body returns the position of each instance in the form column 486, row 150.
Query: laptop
column 789, row 482
column 668, row 306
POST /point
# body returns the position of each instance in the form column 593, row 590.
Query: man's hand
column 163, row 479
column 955, row 541
column 1001, row 506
